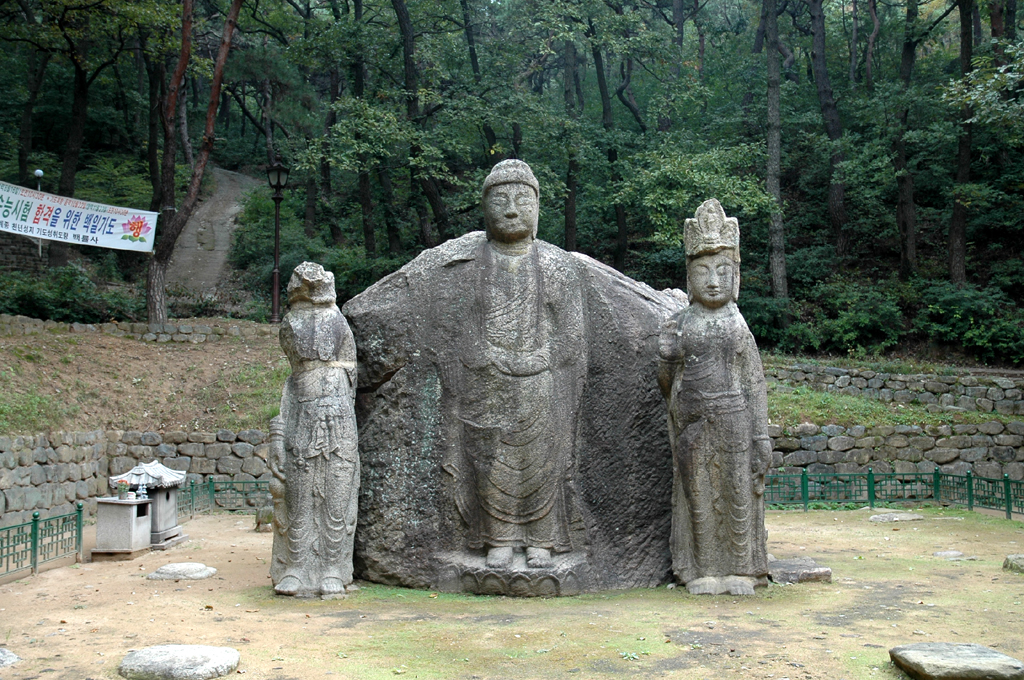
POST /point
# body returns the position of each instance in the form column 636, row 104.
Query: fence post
column 209, row 486
column 191, row 499
column 871, row 488
column 936, row 484
column 79, row 547
column 35, row 542
column 970, row 490
column 1007, row 496
column 804, row 490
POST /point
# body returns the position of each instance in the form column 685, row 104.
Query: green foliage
column 982, row 320
column 67, row 294
column 29, row 412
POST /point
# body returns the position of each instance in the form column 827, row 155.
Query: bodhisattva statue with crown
column 712, row 377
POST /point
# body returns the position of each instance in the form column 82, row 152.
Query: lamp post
column 39, row 179
column 277, row 176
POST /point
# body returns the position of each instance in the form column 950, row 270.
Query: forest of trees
column 871, row 149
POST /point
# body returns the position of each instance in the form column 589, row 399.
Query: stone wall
column 20, row 253
column 181, row 331
column 51, row 474
column 989, row 449
column 937, row 392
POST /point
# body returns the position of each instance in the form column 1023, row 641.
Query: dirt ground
column 93, row 380
column 79, row 621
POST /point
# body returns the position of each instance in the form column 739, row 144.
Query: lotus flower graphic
column 134, row 229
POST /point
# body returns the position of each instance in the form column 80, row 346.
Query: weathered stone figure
column 712, row 377
column 316, row 457
column 509, row 426
column 516, row 377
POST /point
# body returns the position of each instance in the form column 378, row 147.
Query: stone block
column 262, row 451
column 214, row 451
column 982, row 440
column 181, row 463
column 203, row 466
column 229, row 466
column 1003, row 453
column 966, row 404
column 800, row 458
column 942, row 455
column 832, row 457
column 37, row 475
column 774, row 431
column 256, row 437
column 243, row 449
column 985, row 405
column 120, row 465
column 922, row 443
column 820, row 469
column 936, row 387
column 254, row 466
column 82, row 490
column 194, row 450
column 15, row 498
column 1004, row 407
column 175, row 437
column 143, row 454
column 992, row 427
column 958, row 468
column 965, row 429
column 988, row 469
column 817, row 442
column 202, row 437
column 910, row 453
column 881, row 466
column 165, row 450
column 926, row 466
column 897, row 441
column 975, row 391
column 957, row 441
column 995, row 394
column 904, row 467
column 833, row 430
column 859, row 383
column 1015, row 471
column 150, row 439
column 34, row 497
column 841, row 443
column 974, row 454
column 130, row 437
column 881, row 431
column 185, row 328
column 783, row 444
column 225, row 436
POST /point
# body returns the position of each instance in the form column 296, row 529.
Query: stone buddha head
column 712, row 243
column 511, row 202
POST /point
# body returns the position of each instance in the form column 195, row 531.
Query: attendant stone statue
column 315, row 454
column 712, row 377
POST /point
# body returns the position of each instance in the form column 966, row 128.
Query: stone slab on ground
column 7, row 658
column 897, row 517
column 179, row 662
column 798, row 570
column 951, row 661
column 1014, row 563
column 948, row 554
column 192, row 571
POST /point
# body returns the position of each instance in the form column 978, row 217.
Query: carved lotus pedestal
column 467, row 573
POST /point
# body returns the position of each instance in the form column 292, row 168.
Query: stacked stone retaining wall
column 179, row 331
column 51, row 473
column 938, row 393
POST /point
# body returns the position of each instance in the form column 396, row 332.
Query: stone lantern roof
column 153, row 475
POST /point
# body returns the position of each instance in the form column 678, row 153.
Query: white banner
column 40, row 215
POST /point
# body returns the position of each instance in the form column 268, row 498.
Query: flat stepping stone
column 798, row 570
column 1014, row 563
column 897, row 517
column 7, row 658
column 950, row 661
column 179, row 662
column 192, row 571
column 948, row 554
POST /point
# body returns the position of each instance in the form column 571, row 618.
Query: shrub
column 982, row 320
column 68, row 295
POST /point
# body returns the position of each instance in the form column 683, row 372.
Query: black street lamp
column 277, row 176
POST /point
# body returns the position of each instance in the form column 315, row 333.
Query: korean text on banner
column 58, row 218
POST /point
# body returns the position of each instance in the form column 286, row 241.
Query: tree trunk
column 173, row 222
column 853, row 45
column 309, row 218
column 365, row 194
column 1010, row 19
column 572, row 173
column 608, row 122
column 59, row 251
column 268, row 122
column 474, row 62
column 869, row 56
column 777, row 227
column 833, row 128
column 700, row 41
column 366, row 205
column 186, row 143
column 958, row 222
column 37, row 62
column 390, row 218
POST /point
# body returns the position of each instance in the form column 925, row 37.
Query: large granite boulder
column 429, row 414
column 952, row 661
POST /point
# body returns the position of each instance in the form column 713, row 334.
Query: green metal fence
column 228, row 495
column 26, row 546
column 1003, row 494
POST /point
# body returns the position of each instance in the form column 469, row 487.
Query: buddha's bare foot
column 739, row 585
column 331, row 585
column 499, row 558
column 708, row 585
column 538, row 558
column 289, row 585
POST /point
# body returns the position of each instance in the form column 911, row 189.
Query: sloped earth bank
column 79, row 622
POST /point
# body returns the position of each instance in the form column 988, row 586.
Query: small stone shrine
column 160, row 485
column 314, row 456
column 712, row 378
column 511, row 433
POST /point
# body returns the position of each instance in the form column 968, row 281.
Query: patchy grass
column 905, row 365
column 248, row 396
column 21, row 412
column 804, row 405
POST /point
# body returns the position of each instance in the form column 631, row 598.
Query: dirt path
column 78, row 622
column 200, row 255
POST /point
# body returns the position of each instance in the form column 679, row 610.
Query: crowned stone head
column 310, row 282
column 710, row 231
column 511, row 203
